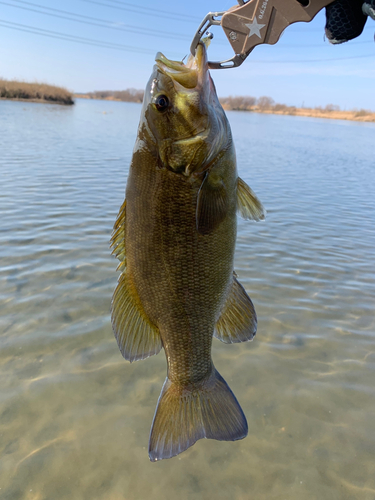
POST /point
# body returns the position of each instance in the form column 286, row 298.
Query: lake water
column 75, row 416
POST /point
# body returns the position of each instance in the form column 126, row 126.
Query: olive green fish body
column 182, row 277
column 175, row 238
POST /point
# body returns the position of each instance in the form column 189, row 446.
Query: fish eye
column 161, row 102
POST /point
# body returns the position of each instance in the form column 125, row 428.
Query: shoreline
column 42, row 101
column 362, row 116
column 312, row 113
column 357, row 116
column 14, row 90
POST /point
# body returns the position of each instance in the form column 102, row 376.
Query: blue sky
column 302, row 68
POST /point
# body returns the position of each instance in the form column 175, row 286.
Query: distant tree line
column 263, row 104
column 247, row 103
column 128, row 95
column 267, row 104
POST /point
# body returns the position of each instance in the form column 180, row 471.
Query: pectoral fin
column 248, row 205
column 238, row 320
column 136, row 336
column 212, row 203
column 118, row 237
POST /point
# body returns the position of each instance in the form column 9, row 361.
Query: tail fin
column 185, row 414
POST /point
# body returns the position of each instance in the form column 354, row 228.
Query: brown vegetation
column 128, row 95
column 40, row 92
column 266, row 104
column 263, row 104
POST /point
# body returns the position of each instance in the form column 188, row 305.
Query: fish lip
column 197, row 64
column 165, row 63
column 199, row 61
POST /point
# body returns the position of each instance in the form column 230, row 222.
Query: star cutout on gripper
column 255, row 28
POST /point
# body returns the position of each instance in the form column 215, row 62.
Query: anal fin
column 136, row 336
column 238, row 320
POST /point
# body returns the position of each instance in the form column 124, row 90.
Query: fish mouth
column 189, row 75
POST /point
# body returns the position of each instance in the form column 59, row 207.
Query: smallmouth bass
column 175, row 238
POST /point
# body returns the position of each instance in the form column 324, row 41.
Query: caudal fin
column 185, row 414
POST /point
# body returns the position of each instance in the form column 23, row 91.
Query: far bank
column 35, row 92
column 262, row 104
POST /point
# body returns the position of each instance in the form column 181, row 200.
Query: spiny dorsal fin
column 212, row 203
column 238, row 320
column 136, row 336
column 118, row 237
column 248, row 205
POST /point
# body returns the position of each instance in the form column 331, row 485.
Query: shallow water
column 75, row 417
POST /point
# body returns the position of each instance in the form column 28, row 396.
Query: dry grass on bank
column 37, row 92
column 266, row 104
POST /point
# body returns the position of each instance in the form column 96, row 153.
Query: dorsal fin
column 118, row 237
column 136, row 336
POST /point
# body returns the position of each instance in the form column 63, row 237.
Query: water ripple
column 75, row 417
